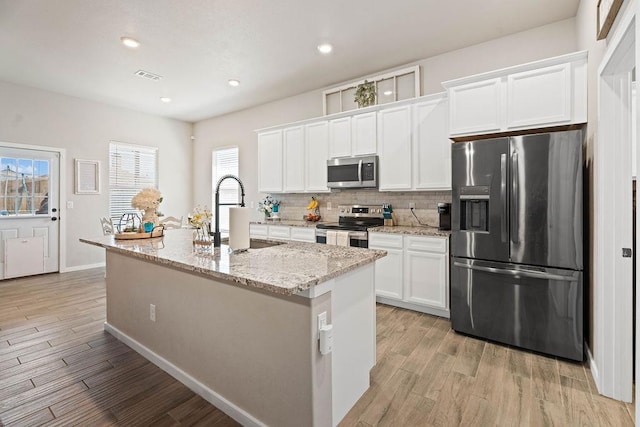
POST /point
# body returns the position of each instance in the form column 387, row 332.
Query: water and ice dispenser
column 474, row 208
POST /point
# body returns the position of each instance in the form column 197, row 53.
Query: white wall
column 84, row 128
column 237, row 128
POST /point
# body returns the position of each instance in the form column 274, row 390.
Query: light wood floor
column 58, row 367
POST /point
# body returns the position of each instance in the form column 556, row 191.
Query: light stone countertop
column 287, row 268
column 288, row 222
column 418, row 231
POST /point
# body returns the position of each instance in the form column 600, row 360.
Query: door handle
column 360, row 171
column 503, row 197
column 514, row 199
column 518, row 273
column 53, row 218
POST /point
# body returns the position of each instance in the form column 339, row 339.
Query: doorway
column 29, row 211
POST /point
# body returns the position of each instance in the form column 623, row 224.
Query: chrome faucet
column 216, row 233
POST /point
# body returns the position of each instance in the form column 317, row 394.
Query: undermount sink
column 257, row 243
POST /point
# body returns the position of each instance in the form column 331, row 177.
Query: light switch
column 69, row 205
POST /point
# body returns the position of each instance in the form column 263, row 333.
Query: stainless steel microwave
column 353, row 172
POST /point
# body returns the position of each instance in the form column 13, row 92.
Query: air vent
column 148, row 75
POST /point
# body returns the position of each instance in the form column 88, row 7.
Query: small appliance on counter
column 444, row 216
column 387, row 211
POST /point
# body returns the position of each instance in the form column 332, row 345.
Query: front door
column 29, row 211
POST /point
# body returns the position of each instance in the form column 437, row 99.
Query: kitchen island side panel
column 258, row 350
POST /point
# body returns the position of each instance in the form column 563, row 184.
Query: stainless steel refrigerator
column 516, row 241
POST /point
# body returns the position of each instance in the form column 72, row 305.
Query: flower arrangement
column 268, row 205
column 199, row 217
column 147, row 200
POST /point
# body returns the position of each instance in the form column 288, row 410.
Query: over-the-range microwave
column 353, row 172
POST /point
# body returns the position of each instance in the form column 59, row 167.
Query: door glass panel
column 406, row 86
column 385, row 90
column 24, row 186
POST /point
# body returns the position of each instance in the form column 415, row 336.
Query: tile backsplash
column 293, row 206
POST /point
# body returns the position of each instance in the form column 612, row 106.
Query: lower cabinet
column 415, row 272
column 283, row 232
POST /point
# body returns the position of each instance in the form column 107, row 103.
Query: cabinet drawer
column 279, row 232
column 303, row 234
column 258, row 230
column 385, row 240
column 429, row 244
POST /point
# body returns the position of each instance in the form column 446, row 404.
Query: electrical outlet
column 328, row 206
column 412, row 205
column 69, row 205
column 322, row 321
column 152, row 312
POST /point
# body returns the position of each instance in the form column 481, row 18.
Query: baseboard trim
column 593, row 367
column 82, row 267
column 196, row 386
column 414, row 307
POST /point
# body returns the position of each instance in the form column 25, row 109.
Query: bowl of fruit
column 314, row 211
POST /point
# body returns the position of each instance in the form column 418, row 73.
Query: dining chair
column 107, row 226
column 171, row 222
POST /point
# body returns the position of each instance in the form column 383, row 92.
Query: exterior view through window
column 24, row 186
column 225, row 162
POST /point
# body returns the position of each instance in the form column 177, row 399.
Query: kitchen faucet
column 216, row 233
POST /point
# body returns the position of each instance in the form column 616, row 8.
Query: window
column 24, row 186
column 225, row 162
column 390, row 87
column 131, row 168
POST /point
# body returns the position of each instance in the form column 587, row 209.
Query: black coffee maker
column 444, row 214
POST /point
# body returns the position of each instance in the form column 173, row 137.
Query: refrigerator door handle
column 503, row 197
column 514, row 199
column 517, row 273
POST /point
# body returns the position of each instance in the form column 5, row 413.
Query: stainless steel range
column 355, row 220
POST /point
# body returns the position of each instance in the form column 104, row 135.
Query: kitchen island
column 241, row 329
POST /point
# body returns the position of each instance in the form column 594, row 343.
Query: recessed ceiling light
column 165, row 99
column 234, row 82
column 325, row 48
column 387, row 92
column 130, row 42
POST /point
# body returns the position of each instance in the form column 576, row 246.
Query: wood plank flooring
column 59, row 368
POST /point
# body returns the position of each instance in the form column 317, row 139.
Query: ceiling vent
column 148, row 75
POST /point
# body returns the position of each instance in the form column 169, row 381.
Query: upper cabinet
column 394, row 148
column 431, row 145
column 363, row 134
column 340, row 137
column 293, row 159
column 316, row 156
column 270, row 161
column 547, row 93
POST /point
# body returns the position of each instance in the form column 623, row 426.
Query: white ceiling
column 73, row 46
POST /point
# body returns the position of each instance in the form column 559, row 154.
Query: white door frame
column 62, row 235
column 612, row 349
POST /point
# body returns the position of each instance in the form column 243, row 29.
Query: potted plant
column 365, row 94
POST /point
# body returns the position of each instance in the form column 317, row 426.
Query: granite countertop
column 286, row 268
column 288, row 222
column 418, row 231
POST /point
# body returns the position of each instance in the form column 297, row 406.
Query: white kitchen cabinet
column 303, row 234
column 340, row 137
column 316, row 156
column 293, row 159
column 394, row 148
column 431, row 145
column 550, row 92
column 270, row 161
column 280, row 232
column 426, row 271
column 364, row 134
column 259, row 230
column 415, row 272
column 388, row 270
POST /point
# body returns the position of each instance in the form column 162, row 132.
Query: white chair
column 171, row 222
column 107, row 226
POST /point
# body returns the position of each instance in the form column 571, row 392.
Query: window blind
column 131, row 168
column 225, row 162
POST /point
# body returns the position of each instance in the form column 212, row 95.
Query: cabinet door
column 432, row 146
column 539, row 97
column 316, row 155
column 270, row 161
column 388, row 272
column 394, row 148
column 340, row 137
column 293, row 170
column 475, row 107
column 426, row 278
column 281, row 232
column 363, row 134
column 303, row 234
column 258, row 230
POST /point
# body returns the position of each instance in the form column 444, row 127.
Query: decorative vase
column 202, row 240
column 150, row 215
